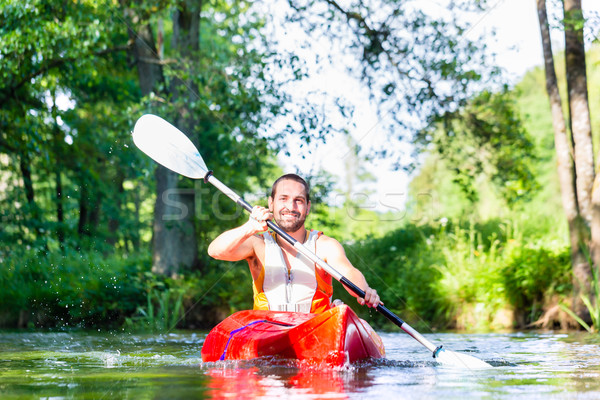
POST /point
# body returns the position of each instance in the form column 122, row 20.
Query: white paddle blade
column 460, row 360
column 168, row 146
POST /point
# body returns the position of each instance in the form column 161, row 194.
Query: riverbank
column 445, row 275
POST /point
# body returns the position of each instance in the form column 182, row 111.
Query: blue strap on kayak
column 233, row 332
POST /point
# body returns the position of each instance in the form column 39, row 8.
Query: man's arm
column 335, row 256
column 238, row 243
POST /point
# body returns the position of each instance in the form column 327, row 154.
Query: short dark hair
column 292, row 177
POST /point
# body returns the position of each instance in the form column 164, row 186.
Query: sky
column 517, row 46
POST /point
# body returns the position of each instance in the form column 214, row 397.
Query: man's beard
column 290, row 226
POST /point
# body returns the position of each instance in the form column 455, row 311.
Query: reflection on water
column 94, row 365
column 280, row 378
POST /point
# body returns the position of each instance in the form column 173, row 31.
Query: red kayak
column 334, row 337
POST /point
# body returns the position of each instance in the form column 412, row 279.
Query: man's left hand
column 371, row 298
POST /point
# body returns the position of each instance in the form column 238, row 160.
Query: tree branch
column 57, row 62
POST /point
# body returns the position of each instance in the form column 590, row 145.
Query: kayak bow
column 334, row 337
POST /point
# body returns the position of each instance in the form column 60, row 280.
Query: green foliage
column 76, row 203
column 72, row 289
column 534, row 274
column 398, row 268
column 76, row 160
column 415, row 64
column 85, row 186
column 163, row 310
column 533, row 266
column 443, row 275
column 460, row 275
column 91, row 290
column 485, row 138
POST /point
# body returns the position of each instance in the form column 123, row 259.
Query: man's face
column 289, row 206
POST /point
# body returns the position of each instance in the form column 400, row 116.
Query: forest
column 501, row 228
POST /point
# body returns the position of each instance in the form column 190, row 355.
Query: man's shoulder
column 257, row 242
column 328, row 241
column 258, row 237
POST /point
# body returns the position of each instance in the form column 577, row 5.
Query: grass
column 592, row 303
column 162, row 313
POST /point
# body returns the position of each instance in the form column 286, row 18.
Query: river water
column 94, row 365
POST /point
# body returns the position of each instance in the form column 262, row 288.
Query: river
column 96, row 365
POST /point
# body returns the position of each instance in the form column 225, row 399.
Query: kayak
column 334, row 337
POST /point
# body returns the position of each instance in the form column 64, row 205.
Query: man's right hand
column 238, row 243
column 258, row 219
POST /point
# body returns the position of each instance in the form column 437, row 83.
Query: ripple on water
column 526, row 365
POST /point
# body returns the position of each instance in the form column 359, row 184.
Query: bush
column 68, row 289
column 461, row 275
column 89, row 290
column 530, row 275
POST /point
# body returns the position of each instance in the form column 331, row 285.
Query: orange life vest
column 305, row 287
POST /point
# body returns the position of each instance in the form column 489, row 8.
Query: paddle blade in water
column 460, row 360
column 168, row 146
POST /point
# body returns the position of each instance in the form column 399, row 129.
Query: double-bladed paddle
column 171, row 148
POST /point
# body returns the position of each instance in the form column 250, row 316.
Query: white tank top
column 289, row 289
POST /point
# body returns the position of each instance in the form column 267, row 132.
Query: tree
column 218, row 93
column 174, row 234
column 213, row 86
column 48, row 51
column 417, row 67
column 485, row 138
column 431, row 83
column 576, row 163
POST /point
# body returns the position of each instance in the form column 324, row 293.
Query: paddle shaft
column 328, row 268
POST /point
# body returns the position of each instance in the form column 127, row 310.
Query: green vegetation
column 91, row 290
column 441, row 275
column 464, row 263
column 467, row 276
column 592, row 303
column 84, row 289
column 483, row 243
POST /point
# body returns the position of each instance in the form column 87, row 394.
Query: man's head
column 290, row 202
column 295, row 178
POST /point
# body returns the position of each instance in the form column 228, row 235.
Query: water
column 114, row 366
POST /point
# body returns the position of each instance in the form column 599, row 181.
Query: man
column 284, row 279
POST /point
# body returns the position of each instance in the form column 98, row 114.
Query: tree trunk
column 578, row 105
column 57, row 146
column 174, row 238
column 82, row 225
column 174, row 228
column 564, row 156
column 114, row 219
column 135, row 235
column 150, row 71
column 94, row 212
column 33, row 220
column 27, row 181
column 582, row 134
column 60, row 215
column 89, row 210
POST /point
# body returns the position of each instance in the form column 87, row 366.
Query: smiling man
column 283, row 279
